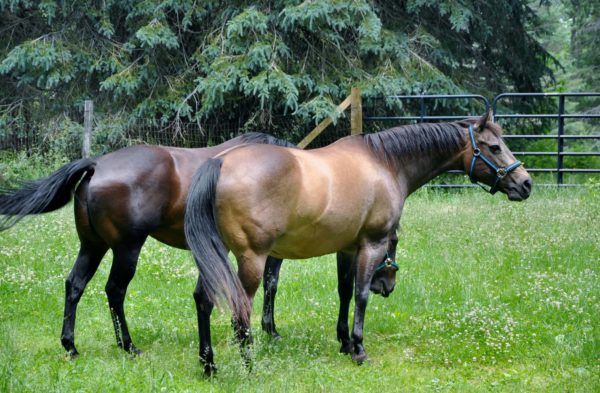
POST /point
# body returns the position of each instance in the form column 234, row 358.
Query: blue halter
column 501, row 172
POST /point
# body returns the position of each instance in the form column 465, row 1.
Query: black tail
column 42, row 195
column 217, row 276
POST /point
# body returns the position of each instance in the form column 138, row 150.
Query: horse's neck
column 420, row 169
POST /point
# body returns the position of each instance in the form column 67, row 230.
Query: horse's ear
column 480, row 124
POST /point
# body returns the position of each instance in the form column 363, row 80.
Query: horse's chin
column 381, row 293
column 376, row 291
column 379, row 290
column 516, row 196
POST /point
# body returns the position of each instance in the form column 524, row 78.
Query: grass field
column 491, row 296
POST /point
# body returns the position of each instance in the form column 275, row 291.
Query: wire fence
column 571, row 158
column 65, row 135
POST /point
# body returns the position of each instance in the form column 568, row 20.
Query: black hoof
column 359, row 358
column 270, row 330
column 133, row 351
column 71, row 354
column 275, row 336
column 210, row 370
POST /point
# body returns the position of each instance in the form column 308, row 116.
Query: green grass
column 491, row 296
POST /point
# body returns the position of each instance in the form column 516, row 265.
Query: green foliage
column 317, row 108
column 45, row 62
column 163, row 60
column 16, row 167
column 571, row 31
column 586, row 40
column 156, row 33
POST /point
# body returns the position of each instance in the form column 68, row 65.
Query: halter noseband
column 501, row 172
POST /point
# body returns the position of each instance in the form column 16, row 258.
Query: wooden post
column 88, row 117
column 322, row 125
column 353, row 101
column 356, row 126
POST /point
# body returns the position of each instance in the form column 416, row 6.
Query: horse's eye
column 495, row 149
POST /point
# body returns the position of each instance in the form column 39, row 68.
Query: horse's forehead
column 495, row 129
column 492, row 133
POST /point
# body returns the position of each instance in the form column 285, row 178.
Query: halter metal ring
column 501, row 172
column 476, row 152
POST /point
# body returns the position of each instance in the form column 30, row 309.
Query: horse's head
column 488, row 160
column 384, row 279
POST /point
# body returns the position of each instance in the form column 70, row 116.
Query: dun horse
column 261, row 200
column 121, row 199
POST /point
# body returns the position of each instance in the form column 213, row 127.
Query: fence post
column 356, row 123
column 560, row 146
column 423, row 110
column 88, row 117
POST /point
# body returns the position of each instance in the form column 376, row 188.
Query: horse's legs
column 122, row 271
column 345, row 272
column 270, row 281
column 368, row 256
column 250, row 272
column 85, row 266
column 204, row 309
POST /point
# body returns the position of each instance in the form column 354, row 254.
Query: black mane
column 399, row 144
column 259, row 137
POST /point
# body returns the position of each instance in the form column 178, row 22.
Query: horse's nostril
column 527, row 185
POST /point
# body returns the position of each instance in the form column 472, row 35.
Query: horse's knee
column 203, row 305
column 73, row 290
column 271, row 285
column 115, row 292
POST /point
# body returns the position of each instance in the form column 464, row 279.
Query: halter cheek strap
column 501, row 172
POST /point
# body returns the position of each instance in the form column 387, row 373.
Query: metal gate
column 560, row 116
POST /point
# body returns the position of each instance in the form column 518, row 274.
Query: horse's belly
column 310, row 242
column 172, row 236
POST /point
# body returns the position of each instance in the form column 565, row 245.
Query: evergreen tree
column 203, row 59
column 586, row 41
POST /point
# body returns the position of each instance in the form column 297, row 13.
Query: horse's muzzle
column 381, row 287
column 520, row 191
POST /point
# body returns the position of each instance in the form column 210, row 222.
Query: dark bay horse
column 121, row 199
column 262, row 200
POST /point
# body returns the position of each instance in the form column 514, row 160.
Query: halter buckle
column 501, row 173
